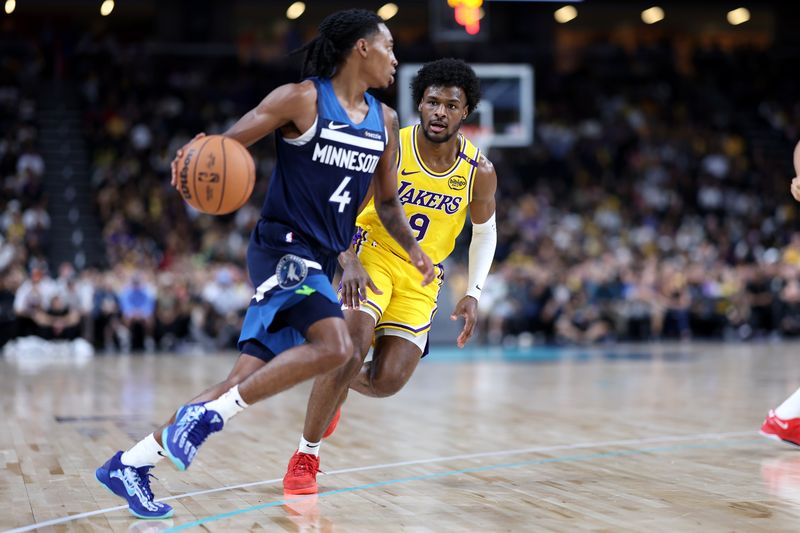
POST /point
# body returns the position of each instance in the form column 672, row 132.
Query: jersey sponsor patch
column 457, row 183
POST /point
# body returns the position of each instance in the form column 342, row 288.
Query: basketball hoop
column 480, row 136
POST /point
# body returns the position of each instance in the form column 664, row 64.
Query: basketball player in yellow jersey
column 441, row 176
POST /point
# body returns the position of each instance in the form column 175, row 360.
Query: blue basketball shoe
column 133, row 485
column 193, row 424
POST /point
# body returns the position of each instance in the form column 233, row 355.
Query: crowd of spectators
column 654, row 204
column 644, row 209
column 125, row 310
column 24, row 220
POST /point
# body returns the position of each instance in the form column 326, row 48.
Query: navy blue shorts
column 288, row 328
column 293, row 291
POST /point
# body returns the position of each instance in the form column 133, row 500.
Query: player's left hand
column 355, row 281
column 467, row 308
column 174, row 165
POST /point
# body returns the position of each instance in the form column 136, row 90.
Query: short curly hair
column 448, row 72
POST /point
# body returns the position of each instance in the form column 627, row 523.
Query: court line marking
column 500, row 453
column 423, row 477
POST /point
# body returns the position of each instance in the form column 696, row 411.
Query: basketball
column 216, row 174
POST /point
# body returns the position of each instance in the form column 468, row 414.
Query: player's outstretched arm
column 387, row 204
column 481, row 248
column 796, row 181
column 287, row 104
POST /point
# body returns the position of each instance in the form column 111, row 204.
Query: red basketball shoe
column 333, row 424
column 301, row 475
column 779, row 429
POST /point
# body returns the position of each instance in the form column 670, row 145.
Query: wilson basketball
column 216, row 174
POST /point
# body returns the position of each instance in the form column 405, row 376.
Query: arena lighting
column 738, row 16
column 468, row 14
column 10, row 6
column 295, row 10
column 565, row 14
column 107, row 7
column 387, row 11
column 652, row 15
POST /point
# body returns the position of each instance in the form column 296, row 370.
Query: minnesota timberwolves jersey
column 322, row 177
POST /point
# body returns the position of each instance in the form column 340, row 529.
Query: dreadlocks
column 337, row 35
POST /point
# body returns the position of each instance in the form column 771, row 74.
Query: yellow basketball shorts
column 406, row 308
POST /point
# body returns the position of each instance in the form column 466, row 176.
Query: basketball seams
column 194, row 174
column 251, row 176
column 218, row 151
column 244, row 189
column 224, row 176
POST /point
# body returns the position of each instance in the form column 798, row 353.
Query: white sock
column 228, row 404
column 790, row 408
column 308, row 447
column 144, row 453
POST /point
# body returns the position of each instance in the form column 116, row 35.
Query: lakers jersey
column 435, row 202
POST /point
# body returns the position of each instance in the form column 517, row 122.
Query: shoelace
column 141, row 476
column 197, row 436
column 305, row 462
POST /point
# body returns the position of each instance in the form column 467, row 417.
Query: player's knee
column 336, row 353
column 386, row 384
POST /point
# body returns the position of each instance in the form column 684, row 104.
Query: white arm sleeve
column 481, row 254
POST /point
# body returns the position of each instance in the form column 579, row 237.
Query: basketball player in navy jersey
column 331, row 138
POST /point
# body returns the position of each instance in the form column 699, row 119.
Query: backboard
column 504, row 116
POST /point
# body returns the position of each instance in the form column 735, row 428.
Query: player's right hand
column 355, row 281
column 178, row 155
column 423, row 263
column 796, row 188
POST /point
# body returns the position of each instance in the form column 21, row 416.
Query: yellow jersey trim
column 472, row 172
column 422, row 164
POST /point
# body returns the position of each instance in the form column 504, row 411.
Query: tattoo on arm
column 394, row 220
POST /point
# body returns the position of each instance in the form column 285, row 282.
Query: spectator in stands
column 227, row 296
column 138, row 305
column 10, row 280
column 173, row 312
column 105, row 314
column 32, row 297
column 58, row 321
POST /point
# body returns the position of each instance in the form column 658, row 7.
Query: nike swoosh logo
column 781, row 423
column 478, row 287
column 161, row 454
column 333, row 126
column 404, row 173
column 312, row 445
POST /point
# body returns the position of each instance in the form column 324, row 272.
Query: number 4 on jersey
column 340, row 195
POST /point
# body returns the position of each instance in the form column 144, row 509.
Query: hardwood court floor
column 643, row 438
